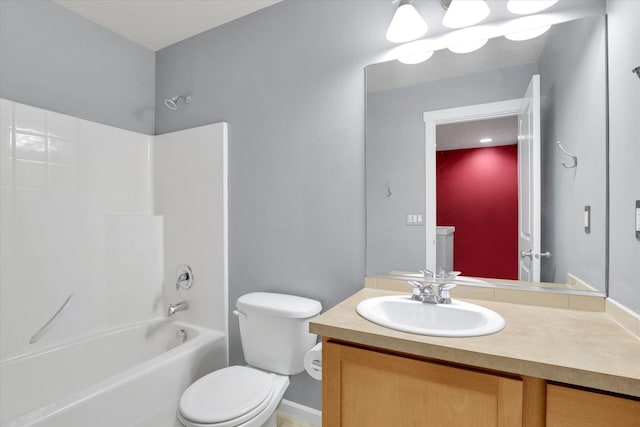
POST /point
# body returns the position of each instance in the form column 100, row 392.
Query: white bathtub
column 126, row 377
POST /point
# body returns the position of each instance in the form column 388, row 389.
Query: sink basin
column 458, row 319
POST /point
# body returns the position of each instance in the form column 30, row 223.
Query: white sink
column 458, row 319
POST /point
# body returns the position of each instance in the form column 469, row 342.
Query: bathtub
column 131, row 376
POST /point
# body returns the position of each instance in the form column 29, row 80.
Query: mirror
column 570, row 60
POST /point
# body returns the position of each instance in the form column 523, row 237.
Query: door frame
column 491, row 110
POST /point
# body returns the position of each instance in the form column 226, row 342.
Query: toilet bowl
column 275, row 337
column 232, row 397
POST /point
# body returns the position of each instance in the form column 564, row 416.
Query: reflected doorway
column 477, row 197
column 527, row 111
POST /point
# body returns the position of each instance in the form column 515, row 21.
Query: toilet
column 274, row 333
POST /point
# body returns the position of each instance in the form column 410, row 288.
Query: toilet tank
column 274, row 329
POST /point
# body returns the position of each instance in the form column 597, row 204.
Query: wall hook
column 575, row 158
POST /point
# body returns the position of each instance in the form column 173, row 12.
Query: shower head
column 172, row 103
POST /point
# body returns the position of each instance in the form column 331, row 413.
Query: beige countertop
column 574, row 347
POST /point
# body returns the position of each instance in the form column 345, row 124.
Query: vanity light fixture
column 485, row 140
column 524, row 7
column 407, row 24
column 468, row 47
column 414, row 52
column 468, row 40
column 528, row 27
column 464, row 13
column 528, row 34
column 416, row 58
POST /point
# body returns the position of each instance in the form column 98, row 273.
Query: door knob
column 525, row 254
column 546, row 254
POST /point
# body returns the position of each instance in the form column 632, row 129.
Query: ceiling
column 458, row 136
column 156, row 24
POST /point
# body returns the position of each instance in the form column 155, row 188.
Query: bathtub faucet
column 174, row 308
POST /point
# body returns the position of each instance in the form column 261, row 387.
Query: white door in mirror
column 458, row 319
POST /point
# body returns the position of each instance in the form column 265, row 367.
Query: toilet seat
column 226, row 397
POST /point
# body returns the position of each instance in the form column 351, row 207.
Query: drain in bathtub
column 181, row 335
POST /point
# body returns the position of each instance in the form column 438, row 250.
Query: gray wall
column 395, row 153
column 573, row 60
column 55, row 59
column 624, row 151
column 289, row 81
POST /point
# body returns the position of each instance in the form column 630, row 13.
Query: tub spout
column 174, row 308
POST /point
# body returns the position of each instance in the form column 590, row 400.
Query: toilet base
column 273, row 420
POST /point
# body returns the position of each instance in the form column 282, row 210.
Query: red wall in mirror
column 477, row 192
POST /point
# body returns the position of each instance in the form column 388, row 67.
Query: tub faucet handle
column 184, row 277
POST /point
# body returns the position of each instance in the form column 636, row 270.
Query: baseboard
column 301, row 412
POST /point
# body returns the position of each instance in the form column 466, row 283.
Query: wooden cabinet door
column 363, row 387
column 568, row 407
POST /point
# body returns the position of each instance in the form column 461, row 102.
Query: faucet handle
column 184, row 277
column 427, row 274
column 415, row 284
column 446, row 287
column 417, row 288
column 421, row 290
column 451, row 275
column 444, row 292
column 421, row 286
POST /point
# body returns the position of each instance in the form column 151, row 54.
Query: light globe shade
column 464, row 13
column 524, row 7
column 468, row 47
column 468, row 39
column 527, row 27
column 406, row 25
column 416, row 58
column 528, row 34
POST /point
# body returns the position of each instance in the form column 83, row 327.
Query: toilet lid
column 226, row 394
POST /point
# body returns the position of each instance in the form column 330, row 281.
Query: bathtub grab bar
column 46, row 326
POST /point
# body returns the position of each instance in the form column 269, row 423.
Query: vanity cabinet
column 569, row 407
column 366, row 387
column 363, row 386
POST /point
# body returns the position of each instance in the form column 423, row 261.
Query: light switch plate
column 638, row 219
column 415, row 219
column 587, row 219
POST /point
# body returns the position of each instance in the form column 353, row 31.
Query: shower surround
column 80, row 214
column 77, row 217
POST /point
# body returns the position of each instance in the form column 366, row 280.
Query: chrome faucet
column 444, row 292
column 184, row 277
column 174, row 308
column 424, row 291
